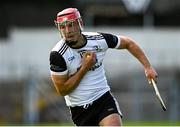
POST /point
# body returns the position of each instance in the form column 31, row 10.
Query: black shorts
column 95, row 112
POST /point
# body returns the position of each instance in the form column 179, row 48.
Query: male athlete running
column 77, row 71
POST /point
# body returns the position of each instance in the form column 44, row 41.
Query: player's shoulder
column 61, row 45
column 93, row 35
column 113, row 41
column 90, row 33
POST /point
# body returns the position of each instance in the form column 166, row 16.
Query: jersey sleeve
column 112, row 41
column 57, row 64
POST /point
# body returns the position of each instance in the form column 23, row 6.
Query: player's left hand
column 151, row 74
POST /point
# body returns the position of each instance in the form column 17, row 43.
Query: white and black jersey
column 67, row 60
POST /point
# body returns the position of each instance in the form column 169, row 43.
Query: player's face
column 70, row 30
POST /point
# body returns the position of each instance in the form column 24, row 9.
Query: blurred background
column 28, row 33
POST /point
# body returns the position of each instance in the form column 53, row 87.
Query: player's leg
column 109, row 111
column 111, row 120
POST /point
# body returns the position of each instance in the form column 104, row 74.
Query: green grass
column 131, row 123
column 149, row 123
column 125, row 123
column 138, row 123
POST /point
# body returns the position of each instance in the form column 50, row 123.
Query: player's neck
column 81, row 42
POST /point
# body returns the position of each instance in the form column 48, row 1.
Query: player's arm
column 62, row 82
column 136, row 51
column 123, row 42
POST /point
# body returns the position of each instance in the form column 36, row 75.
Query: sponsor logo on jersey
column 71, row 58
column 95, row 49
column 94, row 67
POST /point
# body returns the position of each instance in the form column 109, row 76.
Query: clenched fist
column 89, row 59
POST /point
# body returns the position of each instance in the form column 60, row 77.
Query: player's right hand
column 89, row 59
column 151, row 74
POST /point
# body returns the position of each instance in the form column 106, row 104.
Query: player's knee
column 111, row 120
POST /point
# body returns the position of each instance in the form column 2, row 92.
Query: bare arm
column 64, row 84
column 136, row 51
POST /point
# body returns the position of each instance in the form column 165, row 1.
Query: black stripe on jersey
column 94, row 37
column 63, row 49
